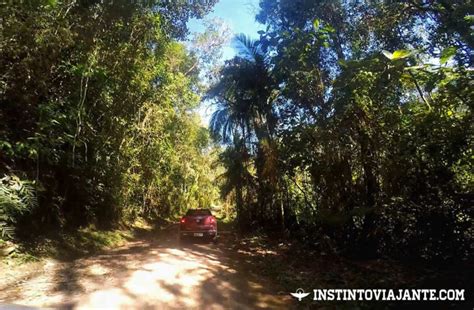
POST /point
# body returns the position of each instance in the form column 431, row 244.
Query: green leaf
column 399, row 54
column 52, row 3
column 329, row 29
column 469, row 18
column 6, row 145
column 447, row 54
column 316, row 23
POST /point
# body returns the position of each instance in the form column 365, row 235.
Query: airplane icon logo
column 299, row 294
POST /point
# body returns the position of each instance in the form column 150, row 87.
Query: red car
column 198, row 223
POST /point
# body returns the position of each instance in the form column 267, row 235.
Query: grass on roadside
column 66, row 245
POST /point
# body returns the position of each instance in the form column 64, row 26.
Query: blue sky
column 240, row 16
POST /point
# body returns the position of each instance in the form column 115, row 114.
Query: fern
column 17, row 197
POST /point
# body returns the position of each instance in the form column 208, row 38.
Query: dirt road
column 158, row 273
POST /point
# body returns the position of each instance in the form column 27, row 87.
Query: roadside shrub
column 17, row 198
column 430, row 231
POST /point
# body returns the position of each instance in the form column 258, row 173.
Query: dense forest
column 97, row 121
column 347, row 124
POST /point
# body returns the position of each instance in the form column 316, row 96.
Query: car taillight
column 212, row 220
column 183, row 220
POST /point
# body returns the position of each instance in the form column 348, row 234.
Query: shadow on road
column 162, row 273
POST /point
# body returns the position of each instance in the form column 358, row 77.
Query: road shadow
column 161, row 272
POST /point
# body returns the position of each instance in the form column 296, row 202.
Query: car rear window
column 199, row 212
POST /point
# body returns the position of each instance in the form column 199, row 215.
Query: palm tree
column 242, row 95
column 244, row 112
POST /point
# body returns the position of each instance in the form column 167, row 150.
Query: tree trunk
column 371, row 189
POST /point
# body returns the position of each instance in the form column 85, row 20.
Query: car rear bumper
column 196, row 233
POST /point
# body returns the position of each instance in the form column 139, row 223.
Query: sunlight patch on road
column 172, row 275
column 141, row 276
column 98, row 270
column 114, row 298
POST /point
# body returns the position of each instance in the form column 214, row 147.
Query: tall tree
column 359, row 122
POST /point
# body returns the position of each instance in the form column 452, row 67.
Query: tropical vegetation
column 345, row 124
column 349, row 125
column 97, row 114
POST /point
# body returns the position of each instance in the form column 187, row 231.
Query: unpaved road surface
column 158, row 273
